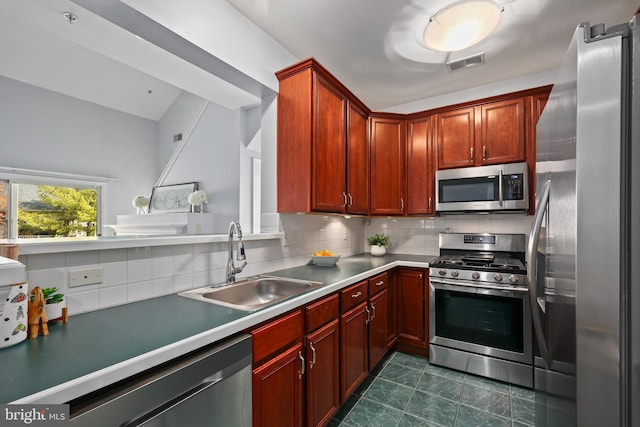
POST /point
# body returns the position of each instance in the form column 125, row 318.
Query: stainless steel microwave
column 484, row 189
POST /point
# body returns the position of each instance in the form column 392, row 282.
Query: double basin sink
column 253, row 293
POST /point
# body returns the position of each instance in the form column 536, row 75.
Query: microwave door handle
column 500, row 195
column 532, row 248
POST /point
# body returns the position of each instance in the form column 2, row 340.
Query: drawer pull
column 380, row 283
column 302, row 365
column 313, row 355
column 356, row 295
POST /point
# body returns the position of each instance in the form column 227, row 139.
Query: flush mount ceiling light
column 461, row 25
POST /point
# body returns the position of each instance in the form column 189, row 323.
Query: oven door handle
column 532, row 248
column 451, row 285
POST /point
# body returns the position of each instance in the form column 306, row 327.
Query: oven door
column 483, row 319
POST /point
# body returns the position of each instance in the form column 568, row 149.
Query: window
column 42, row 207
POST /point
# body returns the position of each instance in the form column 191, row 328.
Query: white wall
column 44, row 130
column 177, row 119
column 211, row 156
column 485, row 91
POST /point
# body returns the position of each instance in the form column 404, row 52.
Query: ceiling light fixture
column 461, row 25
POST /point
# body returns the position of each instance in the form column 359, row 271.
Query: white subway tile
column 81, row 302
column 113, row 295
column 139, row 270
column 139, row 291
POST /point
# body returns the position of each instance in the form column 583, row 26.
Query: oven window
column 480, row 319
column 469, row 189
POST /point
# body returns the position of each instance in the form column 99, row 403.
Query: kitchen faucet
column 231, row 267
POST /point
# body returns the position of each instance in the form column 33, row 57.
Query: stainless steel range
column 479, row 314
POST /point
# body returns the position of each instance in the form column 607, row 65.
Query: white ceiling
column 374, row 46
column 86, row 60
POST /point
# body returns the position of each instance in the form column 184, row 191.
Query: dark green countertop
column 98, row 348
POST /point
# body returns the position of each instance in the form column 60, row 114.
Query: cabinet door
column 379, row 306
column 387, row 166
column 329, row 149
column 420, row 168
column 412, row 308
column 323, row 391
column 277, row 390
column 357, row 162
column 353, row 349
column 455, row 133
column 502, row 138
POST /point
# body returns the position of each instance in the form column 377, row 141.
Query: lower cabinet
column 413, row 311
column 354, row 320
column 308, row 362
column 322, row 345
column 278, row 369
column 277, row 390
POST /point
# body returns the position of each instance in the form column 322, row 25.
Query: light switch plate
column 85, row 276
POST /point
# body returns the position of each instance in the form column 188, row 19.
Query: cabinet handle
column 401, row 204
column 380, row 283
column 350, row 200
column 301, row 373
column 429, row 203
column 368, row 315
column 313, row 355
column 373, row 309
column 484, row 152
column 472, row 154
column 356, row 295
column 344, row 199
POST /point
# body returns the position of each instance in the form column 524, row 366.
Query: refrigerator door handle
column 531, row 272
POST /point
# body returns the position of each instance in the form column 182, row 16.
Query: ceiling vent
column 469, row 61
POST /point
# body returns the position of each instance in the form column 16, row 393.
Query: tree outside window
column 56, row 211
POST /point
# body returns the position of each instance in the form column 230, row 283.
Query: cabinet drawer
column 353, row 295
column 322, row 312
column 378, row 283
column 276, row 336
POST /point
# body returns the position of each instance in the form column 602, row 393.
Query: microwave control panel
column 512, row 187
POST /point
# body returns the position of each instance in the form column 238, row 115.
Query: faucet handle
column 240, row 268
column 241, row 256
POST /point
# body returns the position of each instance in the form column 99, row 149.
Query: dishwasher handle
column 156, row 412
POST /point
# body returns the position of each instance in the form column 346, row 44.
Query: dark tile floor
column 405, row 390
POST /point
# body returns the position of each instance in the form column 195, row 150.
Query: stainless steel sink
column 253, row 293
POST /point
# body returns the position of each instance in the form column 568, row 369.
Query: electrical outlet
column 85, row 276
column 345, row 234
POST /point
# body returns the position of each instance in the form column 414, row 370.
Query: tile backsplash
column 419, row 236
column 134, row 274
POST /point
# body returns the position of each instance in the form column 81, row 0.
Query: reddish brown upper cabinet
column 388, row 179
column 323, row 150
column 420, row 174
column 486, row 134
column 456, row 133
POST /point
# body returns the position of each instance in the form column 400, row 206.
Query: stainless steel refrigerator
column 584, row 249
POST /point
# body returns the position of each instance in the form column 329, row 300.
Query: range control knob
column 475, row 275
column 454, row 273
column 498, row 277
column 513, row 279
column 442, row 272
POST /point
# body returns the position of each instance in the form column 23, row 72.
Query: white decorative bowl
column 325, row 261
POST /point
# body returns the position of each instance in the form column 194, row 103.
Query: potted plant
column 378, row 244
column 54, row 302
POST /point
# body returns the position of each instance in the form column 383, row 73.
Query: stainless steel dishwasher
column 209, row 387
